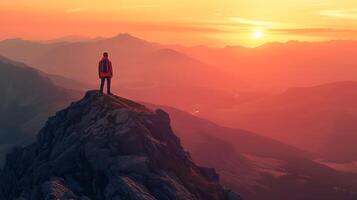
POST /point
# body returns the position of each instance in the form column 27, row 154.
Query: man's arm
column 110, row 69
column 99, row 64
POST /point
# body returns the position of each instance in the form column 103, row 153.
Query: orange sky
column 209, row 22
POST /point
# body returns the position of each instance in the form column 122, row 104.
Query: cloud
column 316, row 31
column 283, row 28
column 141, row 6
column 168, row 27
column 350, row 14
column 252, row 22
column 75, row 10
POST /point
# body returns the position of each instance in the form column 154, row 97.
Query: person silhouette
column 105, row 72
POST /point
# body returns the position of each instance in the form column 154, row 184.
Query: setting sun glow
column 258, row 34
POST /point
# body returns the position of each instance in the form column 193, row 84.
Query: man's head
column 105, row 54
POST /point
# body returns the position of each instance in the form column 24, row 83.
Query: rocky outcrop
column 107, row 147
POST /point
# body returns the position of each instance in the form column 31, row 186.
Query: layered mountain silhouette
column 27, row 99
column 319, row 119
column 107, row 147
column 137, row 58
column 142, row 70
column 146, row 70
column 279, row 66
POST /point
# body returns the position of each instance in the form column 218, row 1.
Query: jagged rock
column 107, row 147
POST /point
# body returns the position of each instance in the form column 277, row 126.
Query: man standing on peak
column 105, row 72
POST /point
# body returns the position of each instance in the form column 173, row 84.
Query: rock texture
column 107, row 147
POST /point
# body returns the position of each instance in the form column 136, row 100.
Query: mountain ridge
column 108, row 147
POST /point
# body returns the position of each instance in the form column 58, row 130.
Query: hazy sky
column 210, row 22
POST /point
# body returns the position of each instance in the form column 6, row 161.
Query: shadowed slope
column 27, row 99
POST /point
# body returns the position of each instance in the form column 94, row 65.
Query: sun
column 258, row 34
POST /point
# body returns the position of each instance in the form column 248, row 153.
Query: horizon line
column 86, row 38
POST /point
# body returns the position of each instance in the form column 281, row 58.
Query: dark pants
column 102, row 81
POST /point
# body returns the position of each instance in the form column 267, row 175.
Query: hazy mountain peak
column 107, row 147
column 14, row 41
column 126, row 37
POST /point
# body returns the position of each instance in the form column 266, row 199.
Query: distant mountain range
column 270, row 67
column 142, row 70
column 136, row 60
column 279, row 66
column 148, row 71
column 319, row 119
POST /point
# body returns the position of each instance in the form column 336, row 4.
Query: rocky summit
column 107, row 147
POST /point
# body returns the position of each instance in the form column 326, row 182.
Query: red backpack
column 104, row 66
